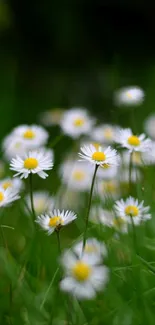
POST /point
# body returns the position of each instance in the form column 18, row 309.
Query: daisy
column 123, row 175
column 76, row 175
column 108, row 189
column 7, row 196
column 52, row 117
column 108, row 172
column 120, row 224
column 93, row 248
column 131, row 208
column 14, row 183
column 129, row 96
column 55, row 220
column 12, row 145
column 42, row 201
column 102, row 216
column 33, row 136
column 133, row 142
column 34, row 162
column 104, row 133
column 99, row 157
column 76, row 122
column 83, row 278
column 149, row 126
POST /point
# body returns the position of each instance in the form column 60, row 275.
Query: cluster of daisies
column 106, row 155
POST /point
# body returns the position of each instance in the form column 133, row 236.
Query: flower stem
column 88, row 208
column 130, row 191
column 58, row 240
column 56, row 140
column 130, row 173
column 31, row 197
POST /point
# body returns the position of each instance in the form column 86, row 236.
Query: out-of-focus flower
column 108, row 189
column 8, row 196
column 129, row 96
column 34, row 162
column 83, row 278
column 132, row 142
column 93, row 248
column 33, row 136
column 52, row 117
column 14, row 183
column 100, row 157
column 76, row 122
column 99, row 215
column 149, row 126
column 43, row 202
column 104, row 134
column 76, row 175
column 12, row 146
column 131, row 208
column 55, row 220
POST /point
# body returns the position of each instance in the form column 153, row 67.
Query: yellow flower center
column 79, row 122
column 81, row 271
column 129, row 95
column 1, row 196
column 98, row 156
column 5, row 185
column 108, row 133
column 132, row 210
column 29, row 134
column 110, row 187
column 96, row 145
column 30, row 163
column 90, row 248
column 54, row 221
column 118, row 222
column 78, row 175
column 133, row 140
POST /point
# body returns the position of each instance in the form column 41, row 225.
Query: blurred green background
column 63, row 53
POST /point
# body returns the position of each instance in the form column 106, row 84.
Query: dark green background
column 63, row 53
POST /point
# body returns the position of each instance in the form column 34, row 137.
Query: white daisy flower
column 120, row 224
column 108, row 189
column 100, row 157
column 132, row 208
column 52, row 117
column 129, row 96
column 93, row 248
column 83, row 277
column 12, row 145
column 123, row 175
column 14, row 183
column 8, row 196
column 33, row 136
column 77, row 176
column 102, row 216
column 133, row 142
column 149, row 126
column 104, row 133
column 34, row 162
column 55, row 220
column 43, row 202
column 137, row 158
column 76, row 122
column 108, row 172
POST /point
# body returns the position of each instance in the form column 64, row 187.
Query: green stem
column 56, row 140
column 88, row 208
column 130, row 173
column 130, row 191
column 58, row 240
column 31, row 197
